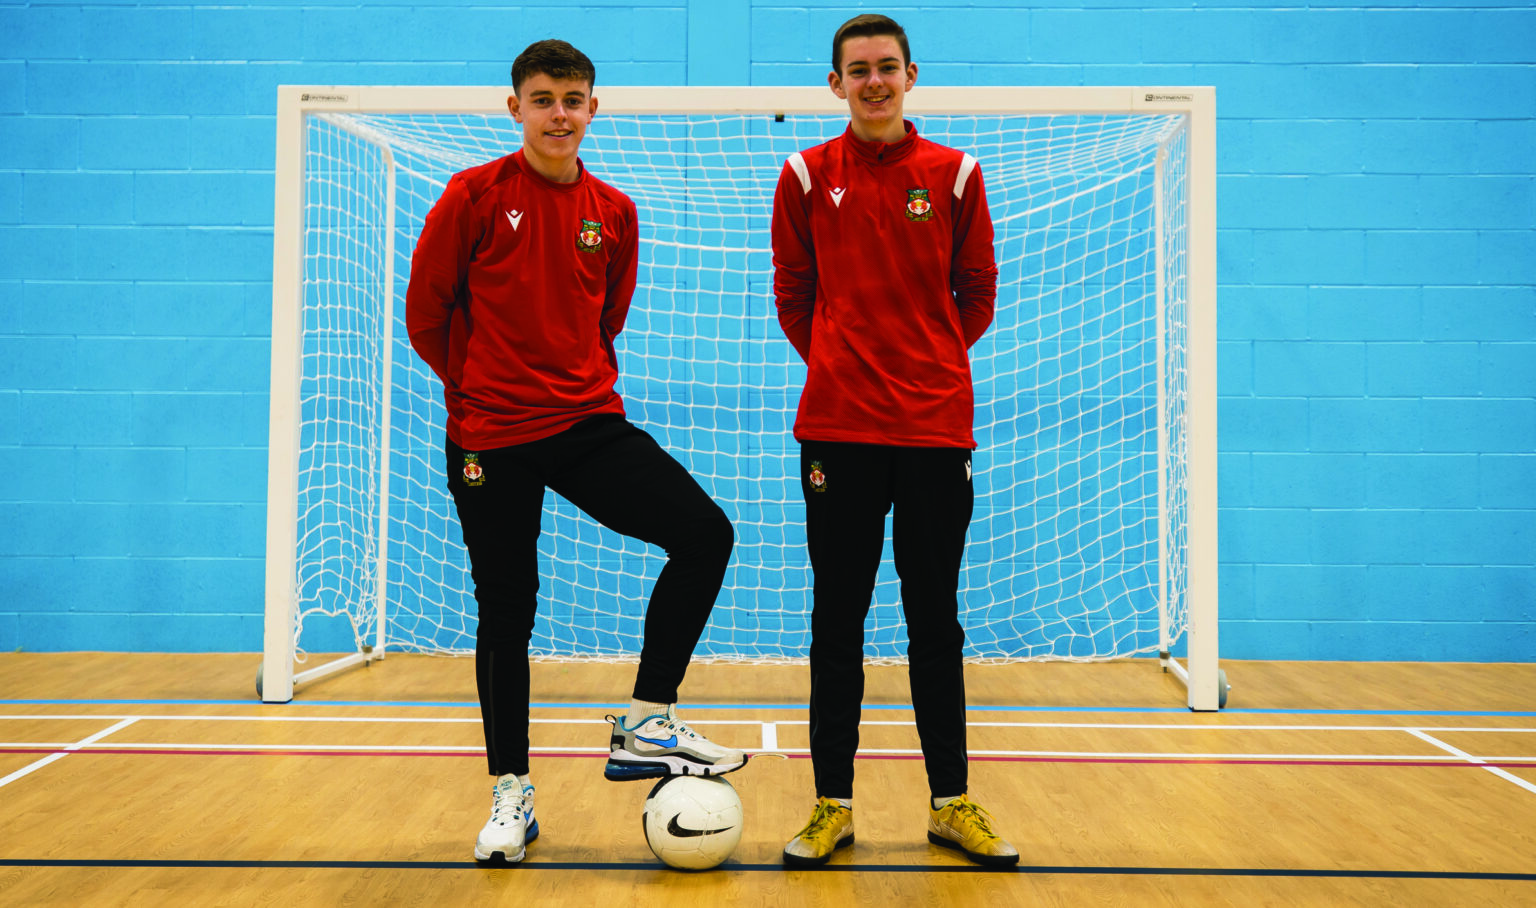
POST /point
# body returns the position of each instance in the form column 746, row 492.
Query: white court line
column 417, row 720
column 1170, row 755
column 70, row 748
column 1506, row 776
column 430, row 720
column 85, row 747
column 1182, row 727
column 770, row 739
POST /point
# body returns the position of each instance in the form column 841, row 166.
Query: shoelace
column 978, row 815
column 679, row 727
column 820, row 817
column 505, row 803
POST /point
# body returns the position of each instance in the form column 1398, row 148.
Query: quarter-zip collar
column 883, row 152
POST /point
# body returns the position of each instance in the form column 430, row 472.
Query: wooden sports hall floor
column 130, row 779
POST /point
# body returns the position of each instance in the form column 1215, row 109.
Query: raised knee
column 720, row 533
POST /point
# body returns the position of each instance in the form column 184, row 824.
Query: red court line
column 989, row 758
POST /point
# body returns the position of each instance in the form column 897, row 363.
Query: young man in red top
column 519, row 284
column 884, row 277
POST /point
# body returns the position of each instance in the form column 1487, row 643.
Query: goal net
column 1079, row 548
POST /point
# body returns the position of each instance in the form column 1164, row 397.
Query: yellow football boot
column 830, row 828
column 963, row 825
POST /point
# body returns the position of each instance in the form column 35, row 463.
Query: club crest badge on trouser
column 474, row 474
column 818, row 478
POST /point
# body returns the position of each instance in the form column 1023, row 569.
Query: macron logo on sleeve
column 516, row 217
column 837, row 196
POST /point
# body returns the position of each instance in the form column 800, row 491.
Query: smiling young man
column 884, row 277
column 519, row 284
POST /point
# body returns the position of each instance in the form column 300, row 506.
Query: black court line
column 774, row 868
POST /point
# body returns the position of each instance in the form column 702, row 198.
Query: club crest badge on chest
column 918, row 206
column 590, row 237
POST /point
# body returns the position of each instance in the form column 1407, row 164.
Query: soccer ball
column 692, row 822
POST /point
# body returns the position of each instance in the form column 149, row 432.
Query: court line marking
column 467, row 704
column 126, row 748
column 529, row 866
column 583, row 720
column 184, row 717
column 66, row 751
column 1491, row 767
column 769, row 739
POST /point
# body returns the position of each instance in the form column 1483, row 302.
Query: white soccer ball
column 692, row 822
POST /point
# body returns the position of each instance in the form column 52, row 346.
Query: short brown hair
column 869, row 25
column 554, row 58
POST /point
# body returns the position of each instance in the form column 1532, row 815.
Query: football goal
column 1094, row 534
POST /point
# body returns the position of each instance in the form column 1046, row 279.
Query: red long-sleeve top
column 884, row 277
column 519, row 286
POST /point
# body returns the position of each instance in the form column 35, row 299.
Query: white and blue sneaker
column 663, row 745
column 512, row 825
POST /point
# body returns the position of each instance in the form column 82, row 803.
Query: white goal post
column 1095, row 529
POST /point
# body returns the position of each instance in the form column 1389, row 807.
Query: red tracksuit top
column 519, row 286
column 884, row 277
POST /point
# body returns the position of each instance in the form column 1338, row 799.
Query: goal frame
column 1203, row 677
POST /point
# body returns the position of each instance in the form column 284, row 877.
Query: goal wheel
column 1221, row 688
column 260, row 668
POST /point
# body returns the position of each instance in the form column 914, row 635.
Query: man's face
column 554, row 114
column 874, row 80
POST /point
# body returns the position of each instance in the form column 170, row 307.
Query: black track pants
column 848, row 490
column 617, row 475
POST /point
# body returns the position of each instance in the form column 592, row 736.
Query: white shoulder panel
column 967, row 164
column 798, row 164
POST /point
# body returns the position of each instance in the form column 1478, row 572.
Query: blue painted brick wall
column 1376, row 269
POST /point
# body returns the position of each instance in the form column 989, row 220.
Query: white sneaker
column 663, row 745
column 511, row 827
